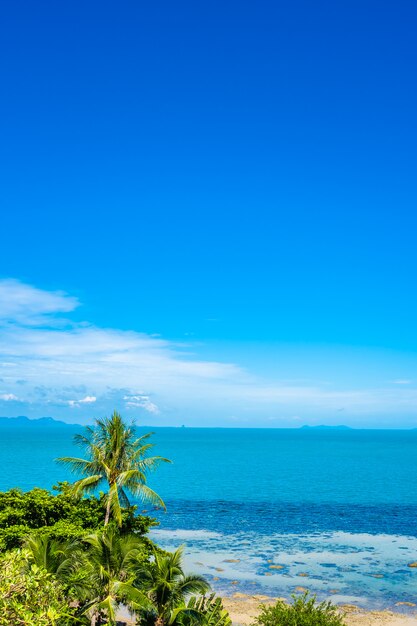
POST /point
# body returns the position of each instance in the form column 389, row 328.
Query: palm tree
column 110, row 558
column 168, row 587
column 66, row 562
column 56, row 557
column 116, row 457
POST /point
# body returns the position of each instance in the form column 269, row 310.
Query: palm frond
column 124, row 500
column 86, row 485
column 131, row 477
column 146, row 494
column 84, row 440
column 80, row 466
column 151, row 463
column 140, row 451
column 193, row 584
column 138, row 442
column 196, row 615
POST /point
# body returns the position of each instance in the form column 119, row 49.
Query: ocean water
column 271, row 511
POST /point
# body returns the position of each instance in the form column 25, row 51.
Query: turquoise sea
column 271, row 511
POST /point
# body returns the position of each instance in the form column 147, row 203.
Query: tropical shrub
column 30, row 596
column 304, row 611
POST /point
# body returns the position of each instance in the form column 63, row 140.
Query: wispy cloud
column 26, row 304
column 143, row 402
column 79, row 367
column 125, row 366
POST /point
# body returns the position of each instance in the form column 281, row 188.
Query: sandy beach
column 244, row 608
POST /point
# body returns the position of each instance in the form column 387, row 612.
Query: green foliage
column 68, row 559
column 97, row 573
column 110, row 563
column 60, row 516
column 50, row 582
column 115, row 458
column 210, row 609
column 304, row 611
column 29, row 596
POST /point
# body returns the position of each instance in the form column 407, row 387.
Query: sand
column 243, row 609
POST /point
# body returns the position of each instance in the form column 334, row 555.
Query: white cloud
column 402, row 381
column 86, row 400
column 8, row 397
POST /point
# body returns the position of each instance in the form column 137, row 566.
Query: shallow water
column 364, row 569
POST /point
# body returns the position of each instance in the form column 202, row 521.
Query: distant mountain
column 324, row 427
column 24, row 422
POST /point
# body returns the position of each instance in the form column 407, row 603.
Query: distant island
column 26, row 422
column 23, row 421
column 324, row 427
column 43, row 422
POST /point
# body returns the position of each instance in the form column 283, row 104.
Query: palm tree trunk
column 98, row 619
column 106, row 519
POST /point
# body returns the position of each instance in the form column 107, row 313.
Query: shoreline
column 243, row 608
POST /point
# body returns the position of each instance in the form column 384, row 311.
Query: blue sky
column 226, row 194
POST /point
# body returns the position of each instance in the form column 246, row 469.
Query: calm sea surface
column 271, row 511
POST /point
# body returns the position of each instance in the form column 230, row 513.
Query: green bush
column 304, row 611
column 59, row 516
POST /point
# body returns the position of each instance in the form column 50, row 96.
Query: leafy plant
column 30, row 596
column 210, row 610
column 304, row 611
